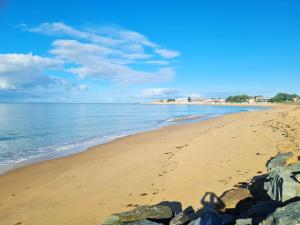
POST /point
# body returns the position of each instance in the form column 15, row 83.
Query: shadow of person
column 211, row 201
column 209, row 211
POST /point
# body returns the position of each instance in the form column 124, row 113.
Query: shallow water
column 34, row 132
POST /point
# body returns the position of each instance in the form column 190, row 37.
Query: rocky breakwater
column 269, row 199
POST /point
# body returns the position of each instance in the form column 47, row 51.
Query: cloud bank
column 159, row 92
column 113, row 54
column 21, row 71
column 108, row 53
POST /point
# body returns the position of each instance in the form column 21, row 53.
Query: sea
column 33, row 132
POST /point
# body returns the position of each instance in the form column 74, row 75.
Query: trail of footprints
column 289, row 133
column 172, row 164
column 166, row 168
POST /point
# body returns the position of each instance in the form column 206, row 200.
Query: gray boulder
column 140, row 213
column 226, row 219
column 261, row 210
column 247, row 221
column 287, row 215
column 281, row 184
column 195, row 222
column 180, row 219
column 236, row 200
column 279, row 160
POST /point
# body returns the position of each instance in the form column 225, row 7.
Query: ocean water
column 35, row 132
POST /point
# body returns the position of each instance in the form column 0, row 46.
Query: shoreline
column 76, row 150
column 188, row 160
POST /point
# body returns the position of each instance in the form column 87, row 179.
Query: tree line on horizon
column 278, row 98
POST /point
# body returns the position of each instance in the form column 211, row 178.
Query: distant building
column 251, row 100
column 215, row 101
column 198, row 100
column 296, row 99
column 261, row 99
column 181, row 100
column 188, row 100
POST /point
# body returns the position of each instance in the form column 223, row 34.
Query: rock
column 279, row 160
column 287, row 215
column 180, row 219
column 261, row 210
column 281, row 184
column 195, row 222
column 247, row 221
column 143, row 222
column 226, row 219
column 294, row 159
column 297, row 177
column 257, row 188
column 140, row 213
column 236, row 200
column 207, row 217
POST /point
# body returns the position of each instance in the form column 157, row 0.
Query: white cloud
column 128, row 36
column 195, row 95
column 74, row 49
column 167, row 53
column 129, row 44
column 159, row 92
column 120, row 73
column 19, row 71
column 110, row 53
column 158, row 62
column 94, row 61
column 83, row 87
column 60, row 29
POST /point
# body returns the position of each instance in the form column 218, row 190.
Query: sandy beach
column 177, row 163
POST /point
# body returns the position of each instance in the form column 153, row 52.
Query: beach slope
column 178, row 163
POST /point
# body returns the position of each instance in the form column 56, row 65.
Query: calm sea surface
column 34, row 132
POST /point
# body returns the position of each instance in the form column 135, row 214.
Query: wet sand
column 178, row 163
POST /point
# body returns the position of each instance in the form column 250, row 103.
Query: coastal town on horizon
column 241, row 99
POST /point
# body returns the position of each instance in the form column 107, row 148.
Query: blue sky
column 138, row 50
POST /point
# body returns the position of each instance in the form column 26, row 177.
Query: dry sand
column 178, row 163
